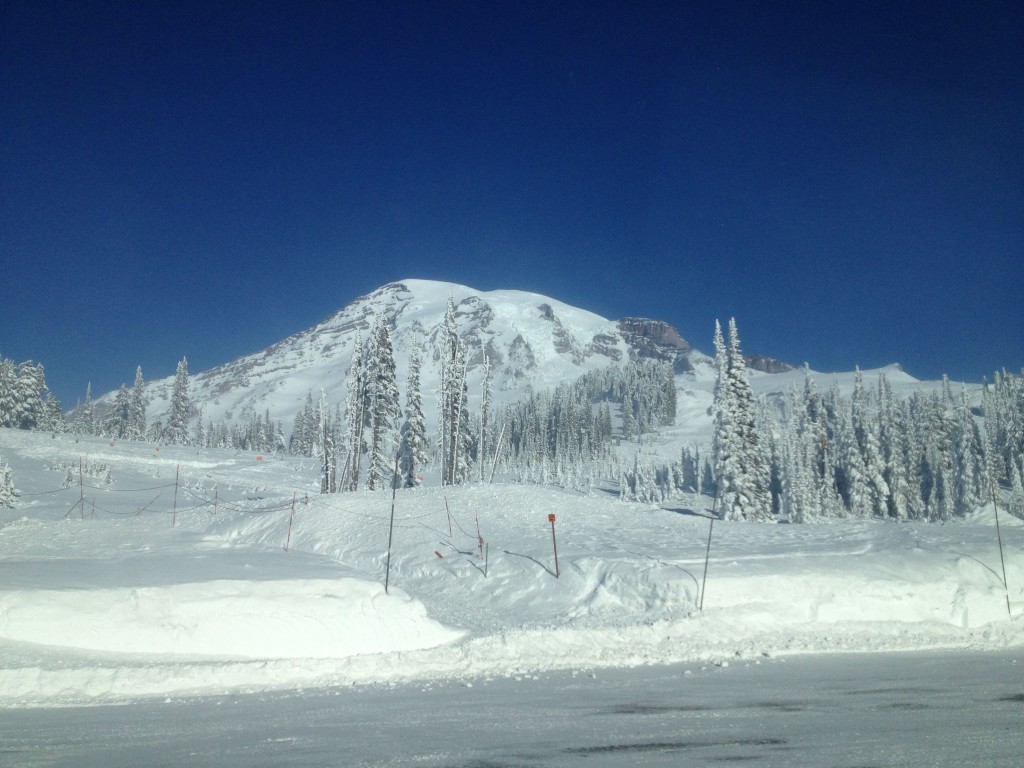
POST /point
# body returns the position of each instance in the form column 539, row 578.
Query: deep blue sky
column 204, row 179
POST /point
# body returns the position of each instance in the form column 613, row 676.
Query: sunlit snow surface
column 107, row 601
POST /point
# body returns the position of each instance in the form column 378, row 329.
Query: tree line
column 800, row 456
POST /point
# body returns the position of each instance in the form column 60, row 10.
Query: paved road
column 921, row 709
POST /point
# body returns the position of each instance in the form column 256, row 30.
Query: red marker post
column 554, row 543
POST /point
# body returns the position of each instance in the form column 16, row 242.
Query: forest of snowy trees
column 812, row 455
column 25, row 401
column 800, row 456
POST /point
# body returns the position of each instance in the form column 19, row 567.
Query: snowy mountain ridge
column 530, row 340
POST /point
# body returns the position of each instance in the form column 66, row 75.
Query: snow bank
column 110, row 601
column 241, row 619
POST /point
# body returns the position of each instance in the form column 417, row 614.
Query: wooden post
column 554, row 543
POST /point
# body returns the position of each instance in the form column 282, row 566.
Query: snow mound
column 288, row 618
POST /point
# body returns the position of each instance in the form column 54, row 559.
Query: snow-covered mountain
column 531, row 340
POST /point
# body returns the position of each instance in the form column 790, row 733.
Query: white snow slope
column 531, row 340
column 153, row 587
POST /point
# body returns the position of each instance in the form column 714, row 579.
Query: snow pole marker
column 449, row 512
column 216, row 498
column 487, row 548
column 479, row 538
column 391, row 527
column 291, row 517
column 999, row 538
column 554, row 543
column 174, row 511
column 81, row 489
column 707, row 553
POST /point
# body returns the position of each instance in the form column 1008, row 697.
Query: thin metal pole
column 707, row 552
column 174, row 514
column 291, row 517
column 999, row 538
column 391, row 530
column 554, row 543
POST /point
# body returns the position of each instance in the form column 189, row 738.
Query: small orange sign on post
column 551, row 517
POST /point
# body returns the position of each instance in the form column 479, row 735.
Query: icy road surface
column 915, row 709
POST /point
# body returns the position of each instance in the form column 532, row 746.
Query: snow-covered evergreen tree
column 384, row 405
column 177, row 420
column 329, row 462
column 864, row 423
column 83, row 424
column 453, row 420
column 485, row 407
column 8, row 391
column 742, row 470
column 355, row 417
column 968, row 482
column 137, row 408
column 414, row 430
column 115, row 423
column 8, row 493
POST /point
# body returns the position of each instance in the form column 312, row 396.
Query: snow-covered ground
column 174, row 580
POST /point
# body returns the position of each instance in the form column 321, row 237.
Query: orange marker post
column 554, row 542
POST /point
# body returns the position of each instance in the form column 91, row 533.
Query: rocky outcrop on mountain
column 655, row 340
column 766, row 364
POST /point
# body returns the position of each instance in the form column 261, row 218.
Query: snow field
column 117, row 603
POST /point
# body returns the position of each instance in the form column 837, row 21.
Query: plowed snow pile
column 165, row 572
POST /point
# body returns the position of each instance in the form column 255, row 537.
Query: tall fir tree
column 8, row 391
column 485, row 407
column 137, row 408
column 742, row 470
column 453, row 421
column 115, row 423
column 177, row 420
column 385, row 407
column 83, row 424
column 414, row 430
column 329, row 462
column 355, row 416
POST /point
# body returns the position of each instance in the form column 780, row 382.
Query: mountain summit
column 530, row 340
